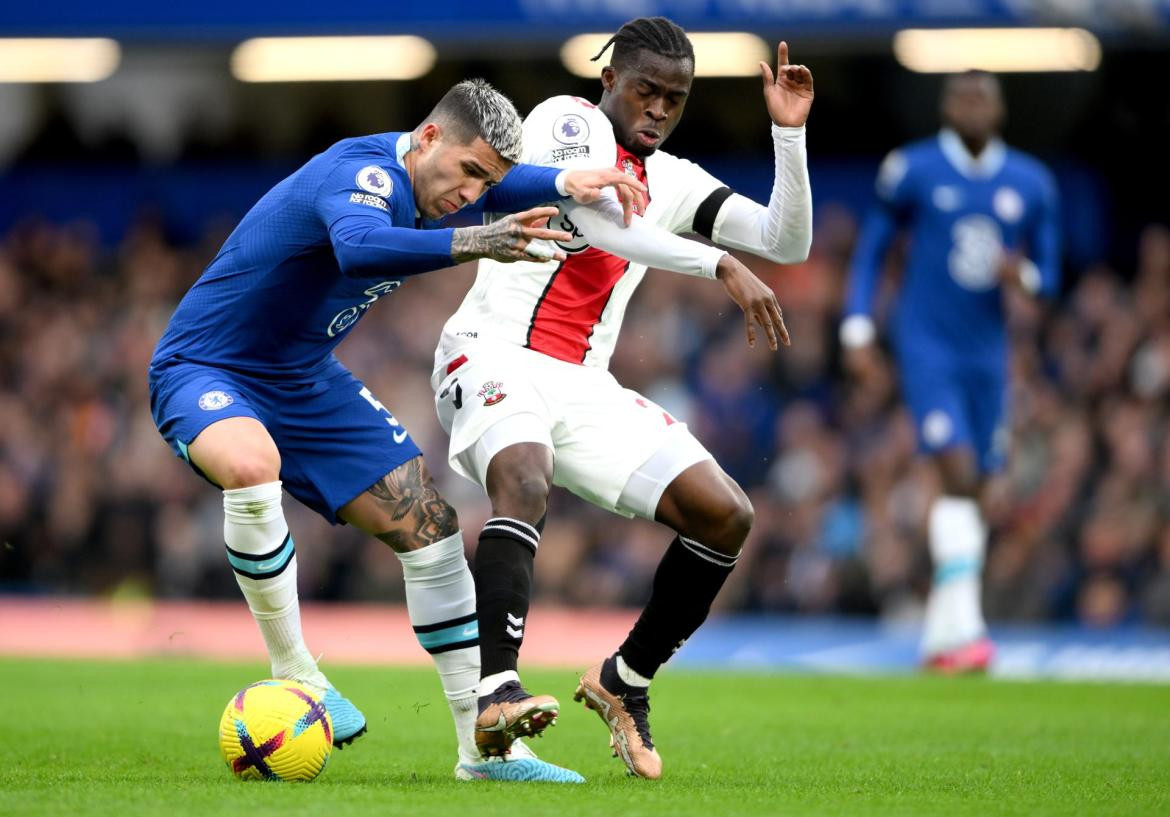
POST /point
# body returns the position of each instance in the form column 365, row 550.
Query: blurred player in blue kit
column 245, row 387
column 980, row 217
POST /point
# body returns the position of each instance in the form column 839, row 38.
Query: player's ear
column 608, row 77
column 430, row 134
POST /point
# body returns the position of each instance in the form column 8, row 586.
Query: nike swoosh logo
column 399, row 436
column 470, row 631
column 500, row 726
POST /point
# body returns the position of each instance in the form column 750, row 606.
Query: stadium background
column 113, row 196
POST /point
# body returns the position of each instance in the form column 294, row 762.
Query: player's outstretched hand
column 789, row 93
column 757, row 301
column 585, row 186
column 512, row 238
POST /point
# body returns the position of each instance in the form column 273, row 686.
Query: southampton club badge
column 628, row 167
column 215, row 400
column 492, row 392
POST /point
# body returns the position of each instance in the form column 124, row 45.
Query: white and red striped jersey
column 572, row 310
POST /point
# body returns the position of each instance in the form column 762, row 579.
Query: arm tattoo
column 408, row 493
column 499, row 240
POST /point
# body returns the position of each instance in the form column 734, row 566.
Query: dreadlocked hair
column 657, row 35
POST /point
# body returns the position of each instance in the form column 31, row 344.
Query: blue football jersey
column 317, row 251
column 962, row 215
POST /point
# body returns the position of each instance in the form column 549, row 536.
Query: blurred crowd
column 93, row 502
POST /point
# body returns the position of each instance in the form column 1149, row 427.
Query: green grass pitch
column 126, row 739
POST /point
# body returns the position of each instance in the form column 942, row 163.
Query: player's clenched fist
column 511, row 238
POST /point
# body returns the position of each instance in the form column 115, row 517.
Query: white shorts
column 611, row 446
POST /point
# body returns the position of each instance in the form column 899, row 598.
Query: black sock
column 686, row 582
column 503, row 587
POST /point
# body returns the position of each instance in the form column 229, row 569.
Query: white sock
column 440, row 598
column 958, row 536
column 628, row 675
column 491, row 683
column 264, row 559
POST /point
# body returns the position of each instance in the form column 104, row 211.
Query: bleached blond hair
column 474, row 108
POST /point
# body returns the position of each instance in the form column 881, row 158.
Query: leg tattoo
column 408, row 493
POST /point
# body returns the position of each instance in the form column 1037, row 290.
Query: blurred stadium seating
column 113, row 195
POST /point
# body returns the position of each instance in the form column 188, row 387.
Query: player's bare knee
column 960, row 482
column 435, row 521
column 245, row 471
column 525, row 497
column 409, row 512
column 445, row 521
column 725, row 521
column 967, row 485
column 737, row 524
column 744, row 517
column 959, row 473
column 967, row 489
column 518, row 488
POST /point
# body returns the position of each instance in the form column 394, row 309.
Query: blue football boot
column 520, row 765
column 349, row 723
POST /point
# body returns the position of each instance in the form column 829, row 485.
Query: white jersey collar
column 983, row 166
column 401, row 148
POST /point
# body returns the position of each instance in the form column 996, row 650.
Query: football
column 276, row 730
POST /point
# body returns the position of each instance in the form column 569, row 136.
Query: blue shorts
column 335, row 439
column 956, row 405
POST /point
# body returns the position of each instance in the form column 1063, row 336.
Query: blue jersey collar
column 983, row 166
